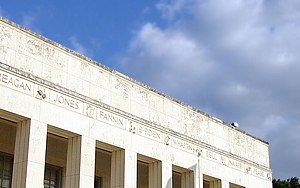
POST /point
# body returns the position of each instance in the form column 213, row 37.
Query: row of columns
column 29, row 163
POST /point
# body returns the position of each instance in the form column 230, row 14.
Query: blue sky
column 235, row 59
column 99, row 30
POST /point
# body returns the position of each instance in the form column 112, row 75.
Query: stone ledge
column 129, row 116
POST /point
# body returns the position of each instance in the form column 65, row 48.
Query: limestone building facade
column 69, row 122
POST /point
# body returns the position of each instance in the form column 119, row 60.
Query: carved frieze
column 7, row 37
column 54, row 75
column 30, row 47
column 156, row 117
column 99, row 77
column 55, row 58
column 139, row 94
column 52, row 63
column 7, row 55
column 120, row 87
column 156, row 102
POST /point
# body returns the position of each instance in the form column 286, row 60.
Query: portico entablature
column 55, row 99
column 44, row 81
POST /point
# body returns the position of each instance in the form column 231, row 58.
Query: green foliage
column 289, row 183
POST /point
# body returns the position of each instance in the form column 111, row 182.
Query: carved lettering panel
column 183, row 145
column 235, row 164
column 16, row 83
column 66, row 102
column 150, row 133
column 232, row 163
column 104, row 116
column 211, row 155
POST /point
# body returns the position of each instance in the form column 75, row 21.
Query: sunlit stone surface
column 66, row 120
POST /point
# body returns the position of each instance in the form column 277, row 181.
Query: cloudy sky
column 237, row 60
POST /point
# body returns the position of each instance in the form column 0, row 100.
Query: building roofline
column 72, row 52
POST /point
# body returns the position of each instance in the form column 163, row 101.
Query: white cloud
column 78, row 47
column 235, row 59
column 170, row 54
column 29, row 22
column 169, row 10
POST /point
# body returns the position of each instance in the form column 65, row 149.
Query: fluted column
column 29, row 154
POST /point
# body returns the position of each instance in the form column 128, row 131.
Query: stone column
column 225, row 184
column 80, row 162
column 166, row 175
column 123, row 169
column 155, row 175
column 117, row 168
column 215, row 184
column 29, row 155
column 187, row 179
column 198, row 176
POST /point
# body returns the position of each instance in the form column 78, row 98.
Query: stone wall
column 51, row 62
